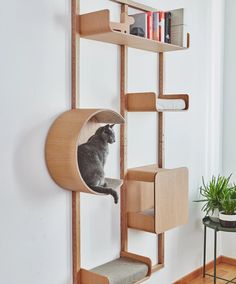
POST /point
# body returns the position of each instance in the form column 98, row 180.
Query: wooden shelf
column 129, row 268
column 157, row 199
column 69, row 130
column 142, row 102
column 96, row 26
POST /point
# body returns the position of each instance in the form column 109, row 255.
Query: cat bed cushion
column 148, row 212
column 165, row 104
column 122, row 271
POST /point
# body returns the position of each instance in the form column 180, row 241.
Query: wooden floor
column 224, row 270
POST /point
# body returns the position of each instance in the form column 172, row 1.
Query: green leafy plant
column 228, row 203
column 213, row 193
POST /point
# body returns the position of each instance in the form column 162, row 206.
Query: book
column 149, row 25
column 178, row 28
column 155, row 26
column 177, row 17
column 167, row 27
column 139, row 28
column 179, row 35
column 162, row 26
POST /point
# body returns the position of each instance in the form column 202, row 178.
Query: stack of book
column 161, row 26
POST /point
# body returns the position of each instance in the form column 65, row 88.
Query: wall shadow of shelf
column 96, row 26
column 142, row 102
column 69, row 130
column 129, row 268
column 157, row 199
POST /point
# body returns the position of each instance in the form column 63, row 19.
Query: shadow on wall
column 29, row 164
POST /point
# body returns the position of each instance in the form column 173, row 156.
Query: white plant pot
column 215, row 216
column 228, row 221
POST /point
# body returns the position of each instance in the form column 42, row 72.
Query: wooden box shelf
column 157, row 199
column 129, row 268
column 69, row 130
column 142, row 102
column 97, row 26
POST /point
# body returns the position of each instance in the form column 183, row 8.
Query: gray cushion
column 122, row 271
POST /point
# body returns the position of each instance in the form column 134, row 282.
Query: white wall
column 229, row 135
column 35, row 88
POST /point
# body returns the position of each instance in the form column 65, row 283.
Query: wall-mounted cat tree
column 153, row 199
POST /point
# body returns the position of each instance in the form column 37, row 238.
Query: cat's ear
column 111, row 125
column 104, row 128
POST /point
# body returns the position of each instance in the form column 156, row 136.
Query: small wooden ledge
column 129, row 268
column 97, row 26
column 157, row 199
column 149, row 102
column 69, row 130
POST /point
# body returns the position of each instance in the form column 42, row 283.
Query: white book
column 179, row 35
column 178, row 28
column 177, row 17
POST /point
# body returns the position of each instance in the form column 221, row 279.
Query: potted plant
column 213, row 193
column 227, row 214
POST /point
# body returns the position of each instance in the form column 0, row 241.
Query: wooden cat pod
column 97, row 26
column 129, row 267
column 142, row 102
column 69, row 130
column 157, row 199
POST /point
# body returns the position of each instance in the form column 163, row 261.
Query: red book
column 149, row 25
column 162, row 26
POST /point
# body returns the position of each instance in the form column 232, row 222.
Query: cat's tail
column 106, row 190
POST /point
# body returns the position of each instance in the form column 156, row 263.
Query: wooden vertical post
column 123, row 139
column 74, row 98
column 161, row 237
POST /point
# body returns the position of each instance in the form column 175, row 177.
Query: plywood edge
column 171, row 199
column 157, row 267
column 141, row 102
column 144, row 173
column 89, row 277
column 139, row 221
column 97, row 22
column 139, row 258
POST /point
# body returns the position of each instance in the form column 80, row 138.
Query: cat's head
column 107, row 133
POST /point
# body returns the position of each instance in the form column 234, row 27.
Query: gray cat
column 92, row 156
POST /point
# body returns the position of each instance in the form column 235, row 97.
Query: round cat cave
column 69, row 130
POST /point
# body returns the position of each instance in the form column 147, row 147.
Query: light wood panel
column 147, row 102
column 141, row 221
column 161, row 149
column 89, row 277
column 63, row 139
column 171, row 199
column 96, row 26
column 75, row 46
column 123, row 139
column 162, row 190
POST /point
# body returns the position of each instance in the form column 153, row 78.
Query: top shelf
column 96, row 26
